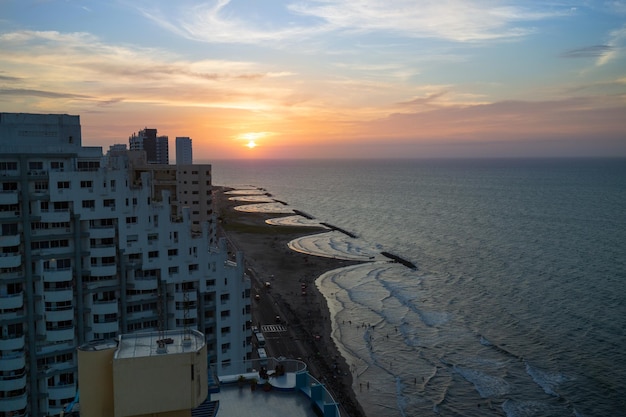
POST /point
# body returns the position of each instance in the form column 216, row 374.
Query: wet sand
column 291, row 295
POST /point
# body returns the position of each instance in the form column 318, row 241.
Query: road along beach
column 284, row 281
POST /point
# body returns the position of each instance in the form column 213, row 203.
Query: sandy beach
column 284, row 281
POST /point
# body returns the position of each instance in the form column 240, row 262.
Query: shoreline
column 292, row 294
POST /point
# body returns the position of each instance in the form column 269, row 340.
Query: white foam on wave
column 243, row 190
column 548, row 381
column 264, row 208
column 488, row 386
column 521, row 408
column 335, row 244
column 434, row 318
column 252, row 198
column 485, row 342
column 296, row 220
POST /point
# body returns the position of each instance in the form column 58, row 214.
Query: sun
column 251, row 138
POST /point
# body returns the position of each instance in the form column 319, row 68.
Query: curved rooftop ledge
column 284, row 396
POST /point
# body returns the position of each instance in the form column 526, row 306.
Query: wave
column 548, row 381
column 488, row 386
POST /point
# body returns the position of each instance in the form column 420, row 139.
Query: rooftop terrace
column 257, row 393
column 136, row 345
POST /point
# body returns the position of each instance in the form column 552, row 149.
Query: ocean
column 518, row 303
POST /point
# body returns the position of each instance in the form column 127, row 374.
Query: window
column 35, row 165
column 131, row 220
column 109, row 203
column 153, row 254
column 63, row 185
column 9, row 229
column 224, row 314
column 173, row 270
column 224, row 298
column 86, row 184
column 88, row 165
column 8, row 166
column 89, row 204
column 170, row 252
column 193, row 267
column 9, row 186
column 41, row 185
column 57, row 166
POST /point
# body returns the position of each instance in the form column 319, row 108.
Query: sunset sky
column 327, row 78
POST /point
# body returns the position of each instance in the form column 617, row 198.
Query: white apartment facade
column 87, row 252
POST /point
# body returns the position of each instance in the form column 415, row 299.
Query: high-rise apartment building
column 156, row 147
column 90, row 248
column 184, row 152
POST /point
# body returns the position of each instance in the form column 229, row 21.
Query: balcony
column 103, row 270
column 12, row 301
column 9, row 404
column 12, row 342
column 144, row 284
column 10, row 240
column 57, row 275
column 104, row 307
column 10, row 260
column 60, row 315
column 109, row 327
column 64, row 294
column 9, row 197
column 9, row 214
column 55, row 216
column 102, row 251
column 13, row 383
column 186, row 296
column 60, row 334
column 12, row 362
column 14, row 276
column 59, row 392
column 180, row 314
column 101, row 232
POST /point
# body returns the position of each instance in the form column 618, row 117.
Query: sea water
column 518, row 303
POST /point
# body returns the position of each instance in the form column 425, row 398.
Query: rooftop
column 292, row 393
column 136, row 345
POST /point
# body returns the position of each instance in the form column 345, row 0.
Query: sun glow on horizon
column 252, row 138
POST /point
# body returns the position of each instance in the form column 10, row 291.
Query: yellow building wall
column 162, row 383
column 95, row 377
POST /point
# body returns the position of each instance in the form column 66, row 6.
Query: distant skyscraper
column 184, row 153
column 156, row 147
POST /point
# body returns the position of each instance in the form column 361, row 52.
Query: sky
column 326, row 78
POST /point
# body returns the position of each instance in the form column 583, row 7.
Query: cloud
column 224, row 21
column 83, row 67
column 588, row 52
column 616, row 42
column 39, row 93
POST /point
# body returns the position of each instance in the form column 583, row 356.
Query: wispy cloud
column 39, row 93
column 452, row 20
column 617, row 43
column 587, row 52
column 82, row 66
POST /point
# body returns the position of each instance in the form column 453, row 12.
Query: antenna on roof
column 186, row 331
column 161, row 342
